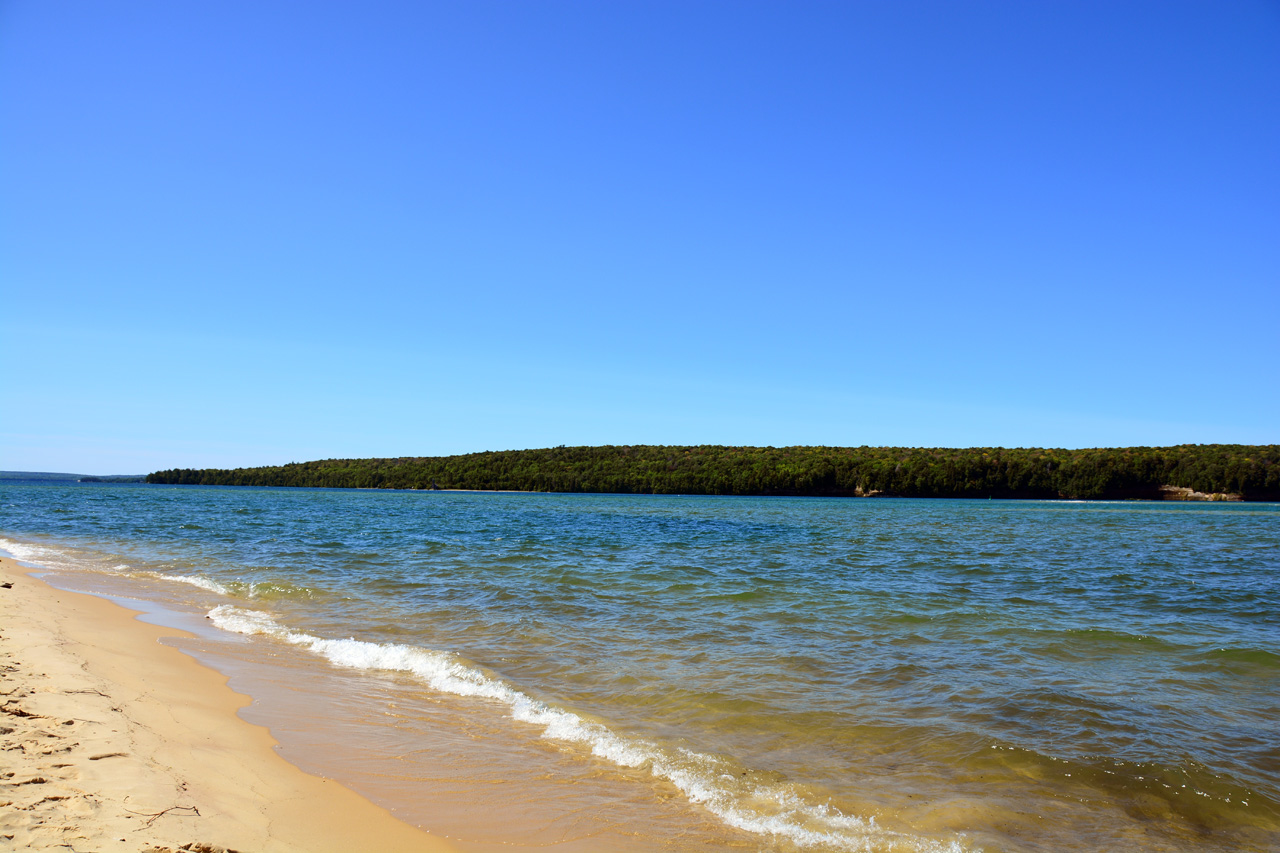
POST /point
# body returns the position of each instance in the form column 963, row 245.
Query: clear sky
column 245, row 233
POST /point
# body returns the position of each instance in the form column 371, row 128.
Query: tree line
column 1249, row 471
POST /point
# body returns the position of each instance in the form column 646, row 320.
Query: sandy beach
column 112, row 741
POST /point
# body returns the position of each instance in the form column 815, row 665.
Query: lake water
column 586, row 672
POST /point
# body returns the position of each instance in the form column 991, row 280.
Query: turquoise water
column 806, row 673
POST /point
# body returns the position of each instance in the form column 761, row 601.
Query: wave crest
column 763, row 807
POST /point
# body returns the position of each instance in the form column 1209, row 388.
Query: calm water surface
column 753, row 673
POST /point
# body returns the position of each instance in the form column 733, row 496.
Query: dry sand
column 112, row 741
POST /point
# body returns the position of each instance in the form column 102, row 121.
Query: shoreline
column 116, row 741
column 1168, row 494
column 420, row 764
column 267, row 590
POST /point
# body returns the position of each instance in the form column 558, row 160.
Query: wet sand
column 113, row 741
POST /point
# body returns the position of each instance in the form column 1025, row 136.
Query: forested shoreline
column 1221, row 471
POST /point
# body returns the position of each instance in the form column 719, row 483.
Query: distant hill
column 36, row 475
column 1186, row 472
column 87, row 478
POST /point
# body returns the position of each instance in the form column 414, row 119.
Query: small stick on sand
column 152, row 817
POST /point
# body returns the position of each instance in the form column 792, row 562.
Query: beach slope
column 112, row 741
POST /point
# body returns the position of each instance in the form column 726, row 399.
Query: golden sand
column 112, row 741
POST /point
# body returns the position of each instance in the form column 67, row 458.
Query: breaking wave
column 714, row 782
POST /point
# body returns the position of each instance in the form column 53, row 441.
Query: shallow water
column 752, row 673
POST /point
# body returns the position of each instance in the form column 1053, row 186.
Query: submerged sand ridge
column 130, row 745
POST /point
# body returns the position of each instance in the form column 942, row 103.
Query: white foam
column 236, row 588
column 63, row 559
column 245, row 621
column 59, row 559
column 194, row 580
column 765, row 808
column 29, row 553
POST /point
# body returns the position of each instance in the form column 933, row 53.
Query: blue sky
column 244, row 233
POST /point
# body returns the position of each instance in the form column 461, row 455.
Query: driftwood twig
column 152, row 817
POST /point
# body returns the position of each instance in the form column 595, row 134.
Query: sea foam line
column 27, row 552
column 65, row 559
column 766, row 809
column 193, row 580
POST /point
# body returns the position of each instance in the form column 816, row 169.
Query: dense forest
column 1250, row 472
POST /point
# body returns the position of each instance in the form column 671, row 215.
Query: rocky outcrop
column 1181, row 493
